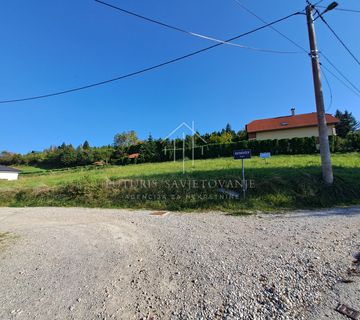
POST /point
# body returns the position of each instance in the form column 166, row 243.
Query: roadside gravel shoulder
column 94, row 264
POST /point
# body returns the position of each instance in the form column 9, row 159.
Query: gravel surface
column 115, row 264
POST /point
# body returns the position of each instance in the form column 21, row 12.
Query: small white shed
column 7, row 173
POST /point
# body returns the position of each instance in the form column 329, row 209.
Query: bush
column 353, row 141
column 66, row 156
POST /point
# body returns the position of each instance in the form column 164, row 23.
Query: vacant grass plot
column 283, row 182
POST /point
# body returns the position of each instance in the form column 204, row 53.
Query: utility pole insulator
column 326, row 167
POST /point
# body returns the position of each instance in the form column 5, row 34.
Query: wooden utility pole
column 326, row 166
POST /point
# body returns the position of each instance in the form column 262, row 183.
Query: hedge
column 307, row 145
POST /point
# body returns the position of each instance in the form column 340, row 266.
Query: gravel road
column 115, row 264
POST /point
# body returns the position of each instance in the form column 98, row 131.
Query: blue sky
column 56, row 45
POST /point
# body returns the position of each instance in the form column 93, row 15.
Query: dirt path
column 115, row 264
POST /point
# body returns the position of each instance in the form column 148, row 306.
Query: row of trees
column 60, row 157
column 208, row 145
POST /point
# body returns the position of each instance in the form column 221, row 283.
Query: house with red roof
column 287, row 127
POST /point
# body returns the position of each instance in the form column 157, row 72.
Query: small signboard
column 242, row 154
column 265, row 155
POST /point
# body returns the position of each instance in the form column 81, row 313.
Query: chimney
column 292, row 111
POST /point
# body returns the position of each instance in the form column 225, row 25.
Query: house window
column 283, row 124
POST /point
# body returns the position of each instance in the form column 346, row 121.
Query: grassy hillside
column 284, row 182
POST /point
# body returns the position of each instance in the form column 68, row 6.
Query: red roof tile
column 287, row 122
column 134, row 155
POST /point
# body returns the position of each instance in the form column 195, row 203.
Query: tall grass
column 284, row 182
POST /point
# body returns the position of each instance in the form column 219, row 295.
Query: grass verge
column 284, row 183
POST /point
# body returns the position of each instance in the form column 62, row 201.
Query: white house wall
column 9, row 176
column 293, row 133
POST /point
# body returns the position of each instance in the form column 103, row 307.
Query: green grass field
column 284, row 182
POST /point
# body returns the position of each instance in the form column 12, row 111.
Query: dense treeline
column 160, row 150
column 125, row 144
column 209, row 145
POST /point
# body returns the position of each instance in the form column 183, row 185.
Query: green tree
column 230, row 131
column 346, row 124
column 148, row 150
column 126, row 139
column 102, row 153
column 228, row 128
column 214, row 138
column 240, row 136
column 68, row 156
column 84, row 157
column 117, row 156
column 86, row 145
column 226, row 137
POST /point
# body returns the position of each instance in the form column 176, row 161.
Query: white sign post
column 265, row 155
column 243, row 154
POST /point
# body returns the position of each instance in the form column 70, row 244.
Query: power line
column 337, row 37
column 273, row 28
column 353, row 88
column 192, row 33
column 339, row 72
column 149, row 68
column 339, row 79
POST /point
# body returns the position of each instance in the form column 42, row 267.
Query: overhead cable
column 157, row 66
column 194, row 34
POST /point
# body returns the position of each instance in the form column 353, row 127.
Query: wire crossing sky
column 356, row 91
column 51, row 46
column 340, row 40
column 194, row 34
column 131, row 74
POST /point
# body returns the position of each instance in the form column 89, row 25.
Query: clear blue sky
column 55, row 45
